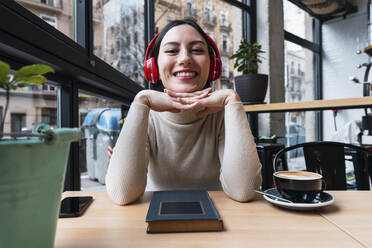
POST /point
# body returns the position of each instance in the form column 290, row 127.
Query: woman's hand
column 160, row 101
column 213, row 102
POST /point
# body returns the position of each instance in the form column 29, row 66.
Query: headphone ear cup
column 151, row 71
column 146, row 69
column 154, row 71
column 212, row 68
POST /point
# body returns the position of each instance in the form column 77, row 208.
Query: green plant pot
column 251, row 88
column 32, row 173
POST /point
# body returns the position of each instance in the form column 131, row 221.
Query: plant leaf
column 241, row 68
column 247, row 57
column 4, row 72
column 31, row 70
column 36, row 79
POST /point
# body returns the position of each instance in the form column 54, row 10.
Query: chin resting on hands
column 212, row 101
column 160, row 101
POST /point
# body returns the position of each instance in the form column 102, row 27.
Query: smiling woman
column 185, row 136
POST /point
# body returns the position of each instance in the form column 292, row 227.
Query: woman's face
column 183, row 60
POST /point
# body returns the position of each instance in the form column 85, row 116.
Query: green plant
column 29, row 74
column 247, row 57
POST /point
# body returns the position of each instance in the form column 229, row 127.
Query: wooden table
column 344, row 103
column 346, row 223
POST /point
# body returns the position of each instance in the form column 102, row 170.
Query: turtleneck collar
column 183, row 117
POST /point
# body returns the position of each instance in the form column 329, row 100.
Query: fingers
column 199, row 93
column 184, row 106
column 182, row 98
column 203, row 101
column 185, row 100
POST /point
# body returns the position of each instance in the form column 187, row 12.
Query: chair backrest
column 328, row 159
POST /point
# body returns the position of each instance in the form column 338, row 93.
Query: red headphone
column 151, row 70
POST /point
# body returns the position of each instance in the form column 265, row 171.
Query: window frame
column 32, row 40
column 316, row 47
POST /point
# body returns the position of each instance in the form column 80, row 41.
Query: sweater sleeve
column 126, row 176
column 240, row 167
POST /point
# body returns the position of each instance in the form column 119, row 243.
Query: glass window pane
column 119, row 37
column 299, row 86
column 28, row 107
column 299, row 73
column 300, row 128
column 220, row 20
column 100, row 121
column 57, row 13
column 297, row 21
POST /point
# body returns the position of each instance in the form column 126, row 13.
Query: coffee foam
column 298, row 175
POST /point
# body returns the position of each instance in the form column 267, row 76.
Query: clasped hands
column 175, row 101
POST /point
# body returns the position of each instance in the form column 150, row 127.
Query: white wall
column 341, row 39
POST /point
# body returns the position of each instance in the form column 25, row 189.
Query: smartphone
column 74, row 206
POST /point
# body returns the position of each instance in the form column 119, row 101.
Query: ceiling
column 325, row 10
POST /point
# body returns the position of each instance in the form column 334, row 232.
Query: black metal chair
column 328, row 159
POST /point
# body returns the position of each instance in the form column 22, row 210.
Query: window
column 52, row 20
column 100, row 71
column 299, row 84
column 127, row 41
column 225, row 67
column 60, row 17
column 225, row 42
column 190, row 10
column 18, row 122
column 292, row 67
column 135, row 38
column 100, row 120
column 116, row 33
column 301, row 52
column 224, row 18
column 47, row 87
column 29, row 107
column 208, row 11
column 135, row 18
column 297, row 21
column 48, row 2
column 49, row 116
column 189, row 6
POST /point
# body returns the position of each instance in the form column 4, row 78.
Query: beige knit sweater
column 163, row 150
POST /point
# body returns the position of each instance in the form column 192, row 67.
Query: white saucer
column 324, row 199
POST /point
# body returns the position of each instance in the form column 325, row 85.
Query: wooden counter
column 345, row 103
column 347, row 223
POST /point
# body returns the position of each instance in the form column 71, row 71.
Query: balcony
column 225, row 27
column 209, row 20
column 296, row 73
column 170, row 5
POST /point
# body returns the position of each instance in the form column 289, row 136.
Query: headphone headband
column 150, row 46
column 214, row 46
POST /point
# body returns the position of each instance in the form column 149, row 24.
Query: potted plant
column 250, row 86
column 32, row 171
